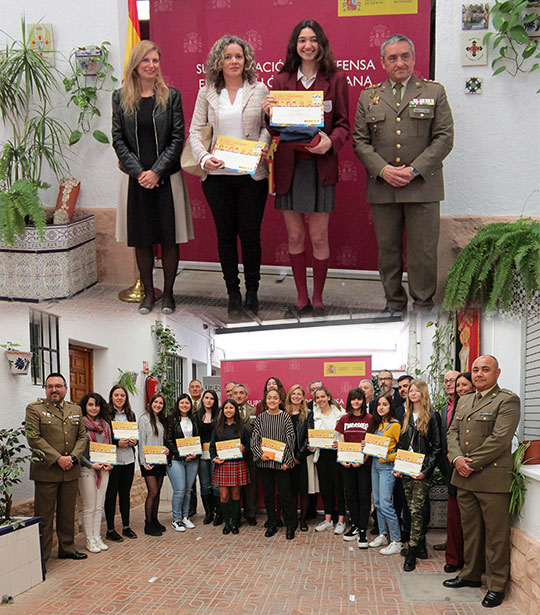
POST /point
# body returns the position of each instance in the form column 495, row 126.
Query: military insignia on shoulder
column 433, row 81
column 374, row 85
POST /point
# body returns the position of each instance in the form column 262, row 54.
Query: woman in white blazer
column 231, row 103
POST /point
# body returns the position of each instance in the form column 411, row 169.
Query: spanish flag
column 133, row 30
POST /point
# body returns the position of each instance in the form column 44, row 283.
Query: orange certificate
column 273, row 449
column 102, row 453
column 154, row 455
column 408, row 462
column 350, row 452
column 238, row 155
column 297, row 108
column 125, row 430
column 321, row 438
column 229, row 449
column 189, row 446
column 376, row 446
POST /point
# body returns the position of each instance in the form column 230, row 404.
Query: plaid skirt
column 231, row 473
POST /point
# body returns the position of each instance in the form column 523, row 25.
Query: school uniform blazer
column 336, row 126
column 207, row 112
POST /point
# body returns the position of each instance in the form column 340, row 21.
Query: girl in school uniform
column 229, row 475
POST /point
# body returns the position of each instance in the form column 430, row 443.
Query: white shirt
column 307, row 82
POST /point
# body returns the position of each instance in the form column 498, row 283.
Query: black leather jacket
column 429, row 444
column 169, row 131
column 174, row 432
column 302, row 427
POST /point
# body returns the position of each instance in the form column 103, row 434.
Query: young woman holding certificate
column 274, row 460
column 302, row 418
column 352, row 427
column 305, row 180
column 152, row 426
column 206, row 418
column 384, row 423
column 229, row 473
column 94, row 476
column 121, row 477
column 230, row 103
column 326, row 414
column 421, row 433
column 181, row 469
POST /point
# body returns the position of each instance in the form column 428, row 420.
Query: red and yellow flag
column 133, row 30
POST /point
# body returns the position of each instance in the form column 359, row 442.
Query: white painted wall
column 121, row 338
column 493, row 168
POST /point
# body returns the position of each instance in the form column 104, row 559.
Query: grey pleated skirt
column 306, row 195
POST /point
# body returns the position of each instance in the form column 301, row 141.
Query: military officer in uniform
column 251, row 490
column 479, row 446
column 403, row 130
column 56, row 428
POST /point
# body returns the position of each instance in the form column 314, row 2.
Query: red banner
column 186, row 30
column 339, row 374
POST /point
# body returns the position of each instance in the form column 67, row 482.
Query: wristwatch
column 415, row 172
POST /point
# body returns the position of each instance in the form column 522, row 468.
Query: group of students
column 303, row 470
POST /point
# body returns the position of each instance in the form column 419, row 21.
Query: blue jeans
column 382, row 485
column 206, row 468
column 182, row 475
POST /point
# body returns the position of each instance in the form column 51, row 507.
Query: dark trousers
column 330, row 483
column 62, row 497
column 120, row 481
column 237, row 203
column 271, row 478
column 357, row 483
column 454, row 534
column 250, row 491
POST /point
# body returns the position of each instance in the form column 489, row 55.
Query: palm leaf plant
column 502, row 259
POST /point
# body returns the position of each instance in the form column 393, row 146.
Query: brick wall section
column 525, row 572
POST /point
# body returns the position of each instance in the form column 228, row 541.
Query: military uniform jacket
column 418, row 133
column 484, row 433
column 55, row 432
column 247, row 414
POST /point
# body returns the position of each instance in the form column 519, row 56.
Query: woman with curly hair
column 306, row 179
column 148, row 136
column 231, row 103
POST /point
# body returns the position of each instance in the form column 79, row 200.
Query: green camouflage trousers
column 416, row 491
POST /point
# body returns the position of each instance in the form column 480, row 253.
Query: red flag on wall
column 133, row 35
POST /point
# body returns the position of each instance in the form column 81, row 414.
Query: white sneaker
column 92, row 546
column 178, row 526
column 380, row 541
column 100, row 543
column 394, row 547
column 340, row 528
column 324, row 525
column 190, row 525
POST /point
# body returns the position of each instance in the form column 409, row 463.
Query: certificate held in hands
column 238, row 155
column 125, row 430
column 102, row 453
column 189, row 446
column 154, row 455
column 297, row 108
column 273, row 449
column 376, row 446
column 350, row 452
column 321, row 438
column 229, row 449
column 408, row 463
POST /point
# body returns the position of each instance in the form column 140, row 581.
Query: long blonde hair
column 424, row 415
column 131, row 90
column 303, row 404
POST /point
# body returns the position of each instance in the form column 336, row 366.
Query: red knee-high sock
column 320, row 269
column 298, row 264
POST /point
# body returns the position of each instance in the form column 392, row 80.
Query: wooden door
column 81, row 374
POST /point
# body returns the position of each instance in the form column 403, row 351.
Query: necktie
column 477, row 398
column 397, row 92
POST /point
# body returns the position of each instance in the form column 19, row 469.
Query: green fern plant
column 17, row 202
column 502, row 257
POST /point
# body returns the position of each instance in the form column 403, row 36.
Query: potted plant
column 166, row 345
column 500, row 264
column 19, row 361
column 128, row 380
column 19, row 536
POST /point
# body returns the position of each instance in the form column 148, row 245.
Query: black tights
column 145, row 262
column 151, row 504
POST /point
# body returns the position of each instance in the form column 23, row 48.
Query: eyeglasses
column 384, row 378
column 54, row 386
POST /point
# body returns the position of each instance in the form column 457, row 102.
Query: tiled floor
column 203, row 572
